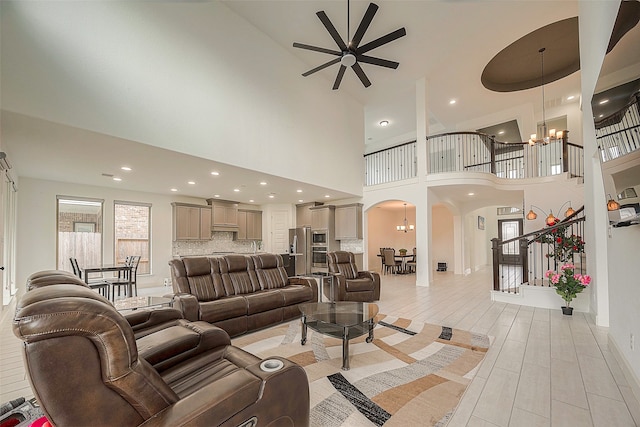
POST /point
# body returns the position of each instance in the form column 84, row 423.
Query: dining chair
column 101, row 285
column 123, row 277
column 390, row 261
column 411, row 264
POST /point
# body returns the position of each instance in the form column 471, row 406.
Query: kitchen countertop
column 231, row 253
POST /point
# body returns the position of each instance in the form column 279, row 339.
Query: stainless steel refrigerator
column 300, row 247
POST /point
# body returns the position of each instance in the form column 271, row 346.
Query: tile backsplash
column 355, row 246
column 221, row 241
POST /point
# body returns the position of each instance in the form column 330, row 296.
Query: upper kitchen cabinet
column 323, row 217
column 225, row 215
column 249, row 225
column 349, row 221
column 303, row 214
column 191, row 222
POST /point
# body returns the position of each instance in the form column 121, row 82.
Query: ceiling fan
column 353, row 54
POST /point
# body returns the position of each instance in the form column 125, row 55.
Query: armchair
column 84, row 367
column 351, row 284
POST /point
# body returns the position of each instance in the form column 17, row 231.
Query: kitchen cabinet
column 323, row 217
column 349, row 221
column 225, row 215
column 303, row 214
column 191, row 222
column 249, row 225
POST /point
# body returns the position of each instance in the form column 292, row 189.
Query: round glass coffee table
column 342, row 319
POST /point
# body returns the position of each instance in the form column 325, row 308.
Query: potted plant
column 568, row 284
column 402, row 251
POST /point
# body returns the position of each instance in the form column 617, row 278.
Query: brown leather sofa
column 239, row 293
column 351, row 284
column 85, row 369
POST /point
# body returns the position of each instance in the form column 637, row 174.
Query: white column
column 423, row 211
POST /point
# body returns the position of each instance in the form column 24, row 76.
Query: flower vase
column 567, row 311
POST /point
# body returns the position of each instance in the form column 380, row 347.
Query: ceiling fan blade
column 331, row 29
column 364, row 24
column 360, row 73
column 383, row 40
column 321, row 67
column 341, row 71
column 377, row 61
column 317, row 49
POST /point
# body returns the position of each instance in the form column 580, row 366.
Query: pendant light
column 545, row 138
column 405, row 226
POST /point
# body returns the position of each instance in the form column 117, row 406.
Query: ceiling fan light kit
column 352, row 54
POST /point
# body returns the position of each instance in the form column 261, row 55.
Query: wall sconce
column 612, row 205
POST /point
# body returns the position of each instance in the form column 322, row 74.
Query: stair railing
column 540, row 251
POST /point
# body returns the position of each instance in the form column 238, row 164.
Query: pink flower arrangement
column 568, row 284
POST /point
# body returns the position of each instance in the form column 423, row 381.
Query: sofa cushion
column 199, row 277
column 223, row 309
column 238, row 275
column 270, row 271
column 359, row 285
column 296, row 294
column 258, row 302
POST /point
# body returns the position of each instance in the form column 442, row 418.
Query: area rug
column 412, row 374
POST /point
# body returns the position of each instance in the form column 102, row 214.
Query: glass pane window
column 79, row 231
column 132, row 231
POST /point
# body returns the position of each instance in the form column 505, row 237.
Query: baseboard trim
column 632, row 379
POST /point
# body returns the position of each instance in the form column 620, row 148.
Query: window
column 132, row 230
column 79, row 231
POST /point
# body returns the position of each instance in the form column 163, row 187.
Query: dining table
column 403, row 258
column 120, row 268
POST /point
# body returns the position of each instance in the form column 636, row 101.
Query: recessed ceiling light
column 298, row 191
column 271, row 196
column 453, row 101
column 604, row 101
column 263, row 183
column 125, row 168
column 501, row 132
column 384, row 123
column 571, row 97
column 214, row 173
column 191, row 183
column 174, row 189
column 216, row 195
column 237, row 190
column 601, row 116
column 327, row 196
column 471, row 194
column 300, row 200
column 115, row 178
column 251, row 200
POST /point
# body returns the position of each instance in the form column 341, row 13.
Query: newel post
column 565, row 151
column 524, row 259
column 496, row 263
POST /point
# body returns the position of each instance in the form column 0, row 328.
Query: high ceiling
column 448, row 43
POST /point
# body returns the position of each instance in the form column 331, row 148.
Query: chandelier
column 552, row 135
column 405, row 226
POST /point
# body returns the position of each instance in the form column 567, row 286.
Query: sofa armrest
column 375, row 277
column 189, row 306
column 305, row 282
column 145, row 322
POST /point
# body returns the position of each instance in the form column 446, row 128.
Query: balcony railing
column 619, row 134
column 475, row 152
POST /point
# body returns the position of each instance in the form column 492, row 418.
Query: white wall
column 442, row 237
column 37, row 225
column 163, row 74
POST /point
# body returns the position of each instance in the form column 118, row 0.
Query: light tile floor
column 543, row 368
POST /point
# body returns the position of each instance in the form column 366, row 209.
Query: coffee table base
column 345, row 339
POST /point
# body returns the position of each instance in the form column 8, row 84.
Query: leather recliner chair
column 351, row 284
column 83, row 364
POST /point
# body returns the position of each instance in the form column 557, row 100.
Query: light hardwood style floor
column 543, row 368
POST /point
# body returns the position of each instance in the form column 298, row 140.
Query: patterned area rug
column 413, row 373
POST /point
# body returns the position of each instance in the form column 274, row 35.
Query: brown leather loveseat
column 239, row 293
column 85, row 369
